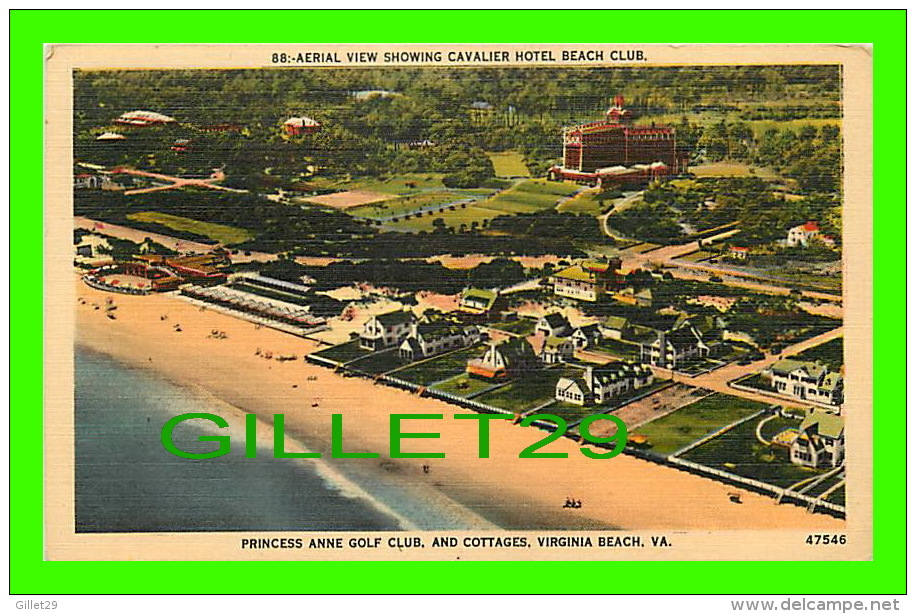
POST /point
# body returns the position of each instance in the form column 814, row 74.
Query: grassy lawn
column 830, row 353
column 747, row 457
column 528, row 391
column 698, row 256
column 376, row 364
column 438, row 369
column 453, row 219
column 688, row 424
column 755, row 380
column 810, row 280
column 523, row 326
column 824, row 486
column 732, row 169
column 642, row 248
column 728, row 351
column 344, row 352
column 529, row 196
column 404, row 204
column 569, row 411
column 584, row 202
column 508, row 164
column 620, row 349
column 760, row 126
column 697, row 366
column 463, row 385
column 777, row 425
column 392, row 184
column 227, row 235
column 838, row 496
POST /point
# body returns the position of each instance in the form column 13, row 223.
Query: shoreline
column 623, row 493
column 350, row 484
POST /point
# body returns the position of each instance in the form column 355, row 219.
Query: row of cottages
column 821, row 440
column 602, row 383
column 425, row 340
column 504, row 359
column 586, row 281
column 806, row 381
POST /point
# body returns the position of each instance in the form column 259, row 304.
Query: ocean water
column 127, row 482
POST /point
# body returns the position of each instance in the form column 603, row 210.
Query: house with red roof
column 738, row 253
column 803, row 234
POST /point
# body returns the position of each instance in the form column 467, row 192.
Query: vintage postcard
column 438, row 302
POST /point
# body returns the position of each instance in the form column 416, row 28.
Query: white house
column 584, row 336
column 478, row 302
column 614, row 327
column 803, row 234
column 601, row 384
column 553, row 325
column 425, row 340
column 557, row 349
column 386, row 330
column 674, row 347
column 587, row 281
column 807, row 381
column 821, row 440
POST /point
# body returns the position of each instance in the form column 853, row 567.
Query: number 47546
column 825, row 539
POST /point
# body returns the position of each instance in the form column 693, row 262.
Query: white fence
column 781, row 493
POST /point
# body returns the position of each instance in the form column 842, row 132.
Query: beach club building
column 387, row 330
column 201, row 269
column 586, row 281
column 821, row 440
column 601, row 384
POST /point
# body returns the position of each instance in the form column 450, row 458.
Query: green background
column 30, row 30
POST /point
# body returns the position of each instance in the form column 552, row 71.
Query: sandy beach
column 622, row 492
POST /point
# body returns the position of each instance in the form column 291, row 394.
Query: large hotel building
column 615, row 152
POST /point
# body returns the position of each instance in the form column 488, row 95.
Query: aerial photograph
column 630, row 277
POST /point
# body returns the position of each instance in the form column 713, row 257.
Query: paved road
column 718, row 380
column 175, row 182
column 619, row 206
column 179, row 245
column 530, row 284
column 666, row 257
